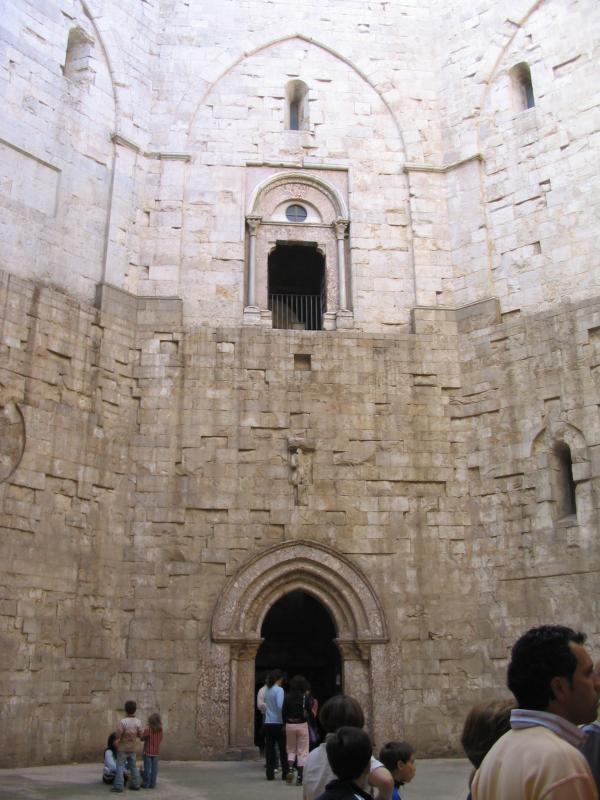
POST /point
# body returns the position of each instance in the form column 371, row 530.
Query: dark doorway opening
column 298, row 637
column 297, row 287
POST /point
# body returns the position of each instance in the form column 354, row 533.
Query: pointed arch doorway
column 242, row 609
column 299, row 638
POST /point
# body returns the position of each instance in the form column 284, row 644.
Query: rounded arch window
column 295, row 213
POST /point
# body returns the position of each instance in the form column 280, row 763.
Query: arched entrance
column 297, row 286
column 298, row 637
column 330, row 579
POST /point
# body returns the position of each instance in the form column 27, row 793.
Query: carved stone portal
column 328, row 576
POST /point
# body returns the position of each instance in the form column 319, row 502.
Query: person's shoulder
column 375, row 764
column 592, row 730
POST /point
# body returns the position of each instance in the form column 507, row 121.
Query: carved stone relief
column 12, row 439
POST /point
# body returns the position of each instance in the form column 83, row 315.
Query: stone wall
column 153, row 462
column 152, row 446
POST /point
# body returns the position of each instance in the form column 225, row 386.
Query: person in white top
column 552, row 677
column 341, row 710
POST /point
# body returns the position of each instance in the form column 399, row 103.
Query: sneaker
column 299, row 780
column 289, row 777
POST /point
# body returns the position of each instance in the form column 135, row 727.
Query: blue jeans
column 150, row 771
column 134, row 773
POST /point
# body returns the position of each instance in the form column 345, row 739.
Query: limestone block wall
column 144, row 463
column 539, row 192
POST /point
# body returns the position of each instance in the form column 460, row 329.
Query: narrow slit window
column 78, row 58
column 566, row 490
column 296, row 111
column 294, row 116
column 522, row 86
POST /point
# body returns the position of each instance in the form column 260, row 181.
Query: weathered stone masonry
column 426, row 466
column 156, row 462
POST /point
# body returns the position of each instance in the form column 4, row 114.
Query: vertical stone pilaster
column 241, row 709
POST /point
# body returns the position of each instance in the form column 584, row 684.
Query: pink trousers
column 296, row 735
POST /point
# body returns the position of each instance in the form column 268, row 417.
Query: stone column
column 340, row 231
column 241, row 694
column 251, row 311
column 344, row 317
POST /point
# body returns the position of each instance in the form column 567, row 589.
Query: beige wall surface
column 148, row 493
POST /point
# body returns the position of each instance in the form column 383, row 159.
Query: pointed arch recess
column 487, row 83
column 314, row 568
column 279, row 40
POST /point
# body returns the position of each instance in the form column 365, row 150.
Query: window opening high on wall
column 297, row 287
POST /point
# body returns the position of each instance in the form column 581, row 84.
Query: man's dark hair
column 393, row 752
column 349, row 751
column 341, row 709
column 130, row 707
column 538, row 656
column 273, row 677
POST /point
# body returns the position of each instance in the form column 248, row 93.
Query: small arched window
column 522, row 86
column 565, row 485
column 296, row 111
column 78, row 56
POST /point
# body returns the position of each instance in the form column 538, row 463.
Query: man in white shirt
column 552, row 677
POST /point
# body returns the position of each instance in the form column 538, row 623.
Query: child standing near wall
column 128, row 731
column 152, row 736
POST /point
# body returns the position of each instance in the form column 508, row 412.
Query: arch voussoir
column 314, row 568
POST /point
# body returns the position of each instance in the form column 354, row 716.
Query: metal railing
column 297, row 312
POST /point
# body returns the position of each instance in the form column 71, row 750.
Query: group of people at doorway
column 542, row 745
column 327, row 772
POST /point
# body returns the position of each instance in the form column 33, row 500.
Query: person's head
column 399, row 758
column 341, row 709
column 154, row 722
column 349, row 752
column 274, row 677
column 110, row 744
column 486, row 722
column 298, row 684
column 130, row 708
column 550, row 670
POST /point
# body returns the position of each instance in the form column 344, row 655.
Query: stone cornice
column 444, row 167
column 119, row 139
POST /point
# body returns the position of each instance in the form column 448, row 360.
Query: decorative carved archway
column 326, row 227
column 318, row 570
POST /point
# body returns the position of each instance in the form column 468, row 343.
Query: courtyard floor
column 437, row 779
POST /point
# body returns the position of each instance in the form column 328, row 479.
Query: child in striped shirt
column 152, row 737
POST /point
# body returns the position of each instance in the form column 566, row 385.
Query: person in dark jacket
column 295, row 717
column 349, row 752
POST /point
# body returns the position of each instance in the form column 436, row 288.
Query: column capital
column 253, row 221
column 244, row 651
column 341, row 226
